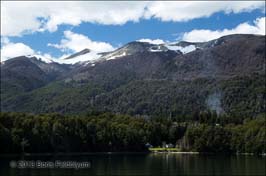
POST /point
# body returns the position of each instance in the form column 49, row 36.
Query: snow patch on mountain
column 114, row 56
column 158, row 48
column 88, row 57
column 155, row 42
column 184, row 50
column 41, row 58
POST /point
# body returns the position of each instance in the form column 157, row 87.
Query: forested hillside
column 226, row 75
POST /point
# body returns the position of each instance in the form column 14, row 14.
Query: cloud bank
column 203, row 35
column 19, row 18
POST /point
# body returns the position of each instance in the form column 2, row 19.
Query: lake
column 134, row 164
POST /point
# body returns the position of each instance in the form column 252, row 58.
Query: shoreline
column 127, row 153
column 176, row 152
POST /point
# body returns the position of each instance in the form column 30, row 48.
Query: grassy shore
column 163, row 149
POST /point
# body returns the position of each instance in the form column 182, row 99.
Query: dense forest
column 104, row 132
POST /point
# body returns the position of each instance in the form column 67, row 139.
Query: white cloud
column 188, row 10
column 202, row 35
column 10, row 50
column 155, row 41
column 77, row 42
column 20, row 17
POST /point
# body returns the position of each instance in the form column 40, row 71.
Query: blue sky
column 110, row 34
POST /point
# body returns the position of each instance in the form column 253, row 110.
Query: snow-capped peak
column 87, row 56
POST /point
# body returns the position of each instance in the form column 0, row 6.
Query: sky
column 56, row 29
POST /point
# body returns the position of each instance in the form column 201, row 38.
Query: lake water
column 138, row 164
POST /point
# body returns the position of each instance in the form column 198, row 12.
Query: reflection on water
column 144, row 164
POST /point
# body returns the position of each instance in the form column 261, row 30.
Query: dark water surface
column 141, row 164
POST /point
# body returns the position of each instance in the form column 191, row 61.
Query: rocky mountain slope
column 226, row 75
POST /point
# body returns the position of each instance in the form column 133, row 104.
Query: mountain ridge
column 136, row 46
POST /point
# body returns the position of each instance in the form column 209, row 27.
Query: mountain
column 226, row 75
column 87, row 56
